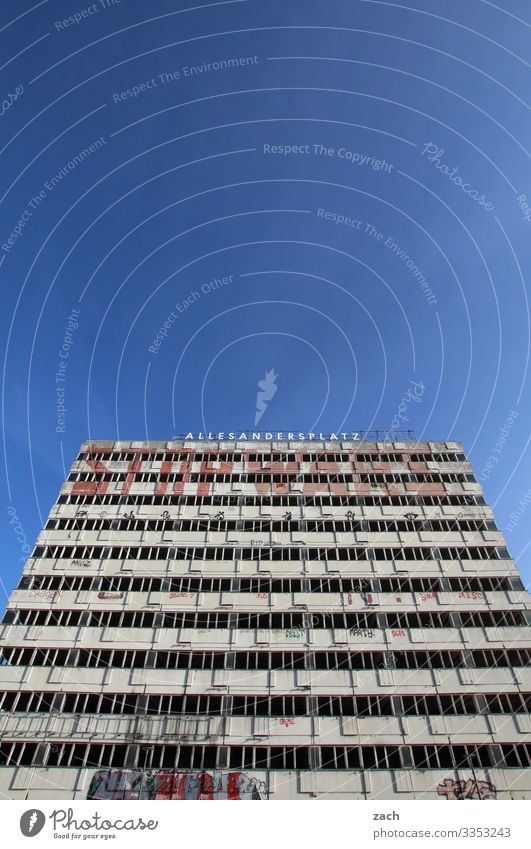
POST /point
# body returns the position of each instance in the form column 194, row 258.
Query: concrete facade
column 267, row 620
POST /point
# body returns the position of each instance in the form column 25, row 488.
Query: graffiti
column 469, row 789
column 427, row 596
column 398, row 632
column 85, row 563
column 294, row 633
column 167, row 784
column 182, row 595
column 286, row 722
column 262, row 595
column 362, row 632
column 110, row 596
column 473, row 595
column 349, row 598
column 50, row 595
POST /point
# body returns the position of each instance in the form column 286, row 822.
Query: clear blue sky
column 355, row 172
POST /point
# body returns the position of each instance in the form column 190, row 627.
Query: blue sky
column 337, row 192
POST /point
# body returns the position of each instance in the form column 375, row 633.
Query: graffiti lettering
column 469, row 789
column 294, row 633
column 361, row 632
column 47, row 594
column 286, row 722
column 173, row 784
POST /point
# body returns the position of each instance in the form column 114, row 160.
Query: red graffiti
column 134, row 467
column 469, row 789
column 286, row 722
column 398, row 632
column 165, row 469
column 212, row 467
column 90, row 487
column 471, row 595
column 168, row 784
column 427, row 596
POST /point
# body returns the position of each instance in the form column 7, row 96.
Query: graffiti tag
column 469, row 789
column 166, row 784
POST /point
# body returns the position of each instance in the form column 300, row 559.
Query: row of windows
column 80, row 755
column 281, row 553
column 122, row 704
column 123, row 583
column 241, row 620
column 142, row 659
column 271, row 477
column 127, row 523
column 279, row 660
column 273, row 457
column 267, row 500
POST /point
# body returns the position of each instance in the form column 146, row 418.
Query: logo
column 32, row 822
column 268, row 388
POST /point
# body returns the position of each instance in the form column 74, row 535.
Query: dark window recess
column 16, row 753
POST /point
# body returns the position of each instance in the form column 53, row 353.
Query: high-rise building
column 267, row 618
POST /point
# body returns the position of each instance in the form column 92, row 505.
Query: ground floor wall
column 172, row 784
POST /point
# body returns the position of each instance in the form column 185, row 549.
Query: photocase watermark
column 266, row 390
column 524, row 206
column 516, row 515
column 80, row 157
column 181, row 306
column 368, row 229
column 32, row 822
column 11, row 98
column 339, row 219
column 389, row 243
column 434, row 154
column 60, row 375
column 94, row 825
column 413, row 395
column 498, row 448
column 87, row 12
column 19, row 532
column 185, row 72
column 307, row 149
column 49, row 186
